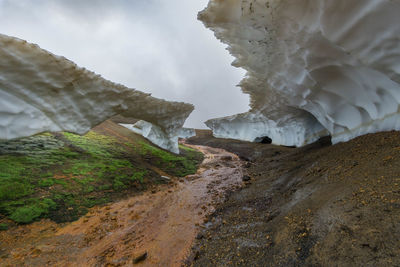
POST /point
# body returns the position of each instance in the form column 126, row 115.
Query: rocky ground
column 319, row 205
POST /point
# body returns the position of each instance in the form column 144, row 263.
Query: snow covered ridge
column 314, row 68
column 42, row 92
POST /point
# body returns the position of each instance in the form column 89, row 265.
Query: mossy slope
column 61, row 175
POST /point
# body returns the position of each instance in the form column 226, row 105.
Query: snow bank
column 313, row 67
column 42, row 92
column 155, row 134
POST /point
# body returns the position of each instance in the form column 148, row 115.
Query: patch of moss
column 10, row 190
column 178, row 165
column 33, row 210
column 188, row 149
column 46, row 182
column 97, row 145
column 3, row 226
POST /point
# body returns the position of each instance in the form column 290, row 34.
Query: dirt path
column 161, row 223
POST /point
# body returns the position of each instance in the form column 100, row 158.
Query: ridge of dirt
column 318, row 205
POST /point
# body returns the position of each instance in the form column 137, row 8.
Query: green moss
column 188, row 149
column 46, row 182
column 91, row 202
column 139, row 176
column 177, row 165
column 10, row 190
column 3, row 226
column 32, row 211
column 95, row 144
column 123, row 181
column 118, row 185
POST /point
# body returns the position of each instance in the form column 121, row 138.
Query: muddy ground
column 320, row 205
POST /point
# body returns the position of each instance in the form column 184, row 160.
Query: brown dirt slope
column 319, row 205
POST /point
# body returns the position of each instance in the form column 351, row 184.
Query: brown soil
column 319, row 205
column 122, row 119
column 156, row 228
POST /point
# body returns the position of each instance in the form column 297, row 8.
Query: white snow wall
column 314, row 67
column 42, row 92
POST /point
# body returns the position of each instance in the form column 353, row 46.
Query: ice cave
column 312, row 69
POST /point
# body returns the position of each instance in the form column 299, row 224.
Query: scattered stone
column 166, row 178
column 244, row 158
column 246, row 178
column 247, row 165
column 39, row 144
column 226, row 158
column 140, row 258
column 199, row 235
column 276, row 153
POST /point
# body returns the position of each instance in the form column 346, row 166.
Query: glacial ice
column 186, row 132
column 157, row 136
column 42, row 92
column 314, row 68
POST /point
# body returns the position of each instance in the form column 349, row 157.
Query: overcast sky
column 156, row 46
